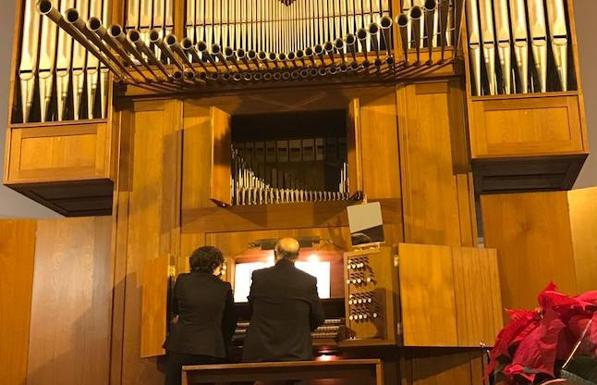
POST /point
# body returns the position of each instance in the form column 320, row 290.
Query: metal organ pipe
column 520, row 38
column 502, row 27
column 538, row 30
column 558, row 34
column 488, row 43
column 474, row 36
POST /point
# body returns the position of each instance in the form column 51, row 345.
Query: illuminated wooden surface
column 436, row 185
column 433, row 367
column 450, row 295
column 542, row 237
column 529, row 125
column 532, row 235
column 17, row 249
column 583, row 220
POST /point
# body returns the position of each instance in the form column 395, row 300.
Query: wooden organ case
column 199, row 122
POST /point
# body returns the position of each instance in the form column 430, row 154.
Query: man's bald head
column 287, row 248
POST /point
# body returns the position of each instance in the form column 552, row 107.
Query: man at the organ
column 285, row 309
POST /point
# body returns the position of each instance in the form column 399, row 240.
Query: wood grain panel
column 437, row 368
column 477, row 295
column 17, row 248
column 197, row 150
column 379, row 141
column 355, row 146
column 433, row 158
column 147, row 219
column 76, row 151
column 427, row 295
column 583, row 221
column 72, row 303
column 525, row 126
column 532, row 235
column 221, row 157
column 280, row 216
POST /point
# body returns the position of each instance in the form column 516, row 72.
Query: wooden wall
column 17, row 248
column 583, row 220
column 532, row 235
column 436, row 180
column 450, row 296
column 440, row 367
column 542, row 237
column 71, row 311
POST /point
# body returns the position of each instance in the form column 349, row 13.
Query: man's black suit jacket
column 285, row 309
column 206, row 319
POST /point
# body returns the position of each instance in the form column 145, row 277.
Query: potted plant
column 554, row 343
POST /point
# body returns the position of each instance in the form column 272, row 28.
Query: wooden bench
column 353, row 371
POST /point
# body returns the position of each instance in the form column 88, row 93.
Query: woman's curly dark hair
column 206, row 259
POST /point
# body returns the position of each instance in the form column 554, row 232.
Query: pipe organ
column 219, row 122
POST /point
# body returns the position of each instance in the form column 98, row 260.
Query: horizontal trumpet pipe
column 73, row 18
column 230, row 56
column 329, row 49
column 415, row 16
column 47, row 9
column 429, row 10
column 95, row 25
column 373, row 30
column 154, row 38
column 217, row 51
column 386, row 25
column 135, row 38
column 362, row 37
column 402, row 22
column 176, row 48
column 190, row 49
column 202, row 47
column 117, row 33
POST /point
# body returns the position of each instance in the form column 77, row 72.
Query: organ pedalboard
column 370, row 280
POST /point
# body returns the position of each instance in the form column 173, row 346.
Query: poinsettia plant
column 536, row 344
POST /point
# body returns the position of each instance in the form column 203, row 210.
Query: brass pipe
column 281, row 58
column 262, row 56
column 444, row 9
column 373, row 30
column 117, row 33
column 386, row 25
column 339, row 45
column 329, row 49
column 429, row 11
column 95, row 25
column 217, row 51
column 47, row 9
column 415, row 16
column 309, row 55
column 175, row 47
column 362, row 37
column 230, row 56
column 241, row 55
column 318, row 50
column 351, row 41
column 189, row 47
column 271, row 57
column 252, row 57
column 292, row 58
column 403, row 24
column 300, row 55
column 72, row 17
column 202, row 47
column 154, row 38
column 135, row 38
